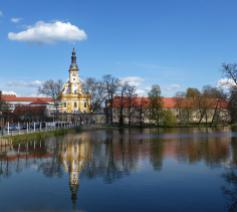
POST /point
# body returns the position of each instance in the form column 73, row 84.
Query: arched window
column 75, row 104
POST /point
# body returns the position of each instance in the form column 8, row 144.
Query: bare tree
column 131, row 95
column 52, row 89
column 141, row 108
column 215, row 99
column 123, row 91
column 4, row 112
column 111, row 87
column 97, row 91
column 230, row 71
column 180, row 102
column 232, row 106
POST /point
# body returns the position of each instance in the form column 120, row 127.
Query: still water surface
column 129, row 170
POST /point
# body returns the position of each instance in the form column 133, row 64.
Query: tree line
column 207, row 105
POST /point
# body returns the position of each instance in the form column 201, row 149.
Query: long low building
column 14, row 101
column 137, row 110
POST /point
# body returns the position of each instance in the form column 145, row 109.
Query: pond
column 122, row 170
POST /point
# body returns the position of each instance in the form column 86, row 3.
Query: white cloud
column 15, row 20
column 22, row 84
column 132, row 80
column 226, row 83
column 9, row 93
column 173, row 87
column 43, row 32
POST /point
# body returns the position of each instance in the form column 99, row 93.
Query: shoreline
column 63, row 131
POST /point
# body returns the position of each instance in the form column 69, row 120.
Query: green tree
column 168, row 118
column 155, row 106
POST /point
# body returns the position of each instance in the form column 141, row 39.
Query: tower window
column 85, row 104
column 65, row 104
column 75, row 104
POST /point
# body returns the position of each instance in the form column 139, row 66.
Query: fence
column 32, row 127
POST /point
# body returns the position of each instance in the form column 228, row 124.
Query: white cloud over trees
column 225, row 83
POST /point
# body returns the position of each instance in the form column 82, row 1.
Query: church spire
column 74, row 57
column 73, row 60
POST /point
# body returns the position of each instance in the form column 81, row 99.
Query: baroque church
column 73, row 99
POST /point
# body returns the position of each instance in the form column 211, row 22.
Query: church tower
column 74, row 74
column 73, row 99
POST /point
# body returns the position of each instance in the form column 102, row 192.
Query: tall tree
column 96, row 89
column 193, row 103
column 131, row 95
column 111, row 87
column 180, row 105
column 213, row 99
column 52, row 89
column 123, row 92
column 155, row 105
column 230, row 71
column 4, row 112
column 141, row 111
column 232, row 106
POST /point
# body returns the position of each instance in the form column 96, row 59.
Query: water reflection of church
column 75, row 154
column 72, row 154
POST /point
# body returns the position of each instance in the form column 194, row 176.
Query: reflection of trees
column 230, row 176
column 230, row 188
column 212, row 149
column 156, row 154
column 115, row 158
column 52, row 166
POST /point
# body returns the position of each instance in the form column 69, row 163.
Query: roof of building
column 14, row 98
column 39, row 101
column 168, row 102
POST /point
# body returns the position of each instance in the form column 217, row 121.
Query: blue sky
column 173, row 43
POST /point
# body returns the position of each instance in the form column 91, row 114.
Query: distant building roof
column 14, row 98
column 39, row 101
column 168, row 102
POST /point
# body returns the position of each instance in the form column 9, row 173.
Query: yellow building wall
column 71, row 99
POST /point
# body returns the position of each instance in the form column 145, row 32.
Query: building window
column 75, row 104
column 65, row 104
column 85, row 104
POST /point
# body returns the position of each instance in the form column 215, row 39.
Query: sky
column 173, row 43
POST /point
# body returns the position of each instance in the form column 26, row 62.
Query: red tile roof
column 14, row 98
column 168, row 102
column 39, row 101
